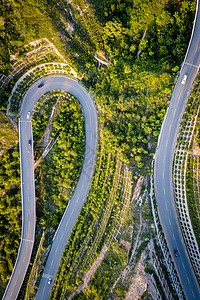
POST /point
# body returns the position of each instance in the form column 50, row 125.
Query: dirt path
column 88, row 276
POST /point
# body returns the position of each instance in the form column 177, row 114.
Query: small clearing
column 141, row 282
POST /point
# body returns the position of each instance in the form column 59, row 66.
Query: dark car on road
column 41, row 85
column 176, row 253
column 30, row 142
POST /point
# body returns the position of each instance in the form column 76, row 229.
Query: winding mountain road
column 69, row 218
column 163, row 165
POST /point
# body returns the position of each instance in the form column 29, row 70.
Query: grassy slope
column 8, row 136
column 28, row 20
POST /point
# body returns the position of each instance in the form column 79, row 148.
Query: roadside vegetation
column 10, row 199
column 58, row 127
column 193, row 187
column 97, row 222
column 10, row 212
column 33, row 75
column 22, row 22
column 8, row 136
column 23, row 61
column 193, row 167
column 96, row 265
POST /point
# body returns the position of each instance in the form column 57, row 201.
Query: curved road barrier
column 164, row 160
column 34, row 93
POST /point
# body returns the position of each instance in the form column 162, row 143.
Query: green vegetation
column 82, row 242
column 8, row 136
column 168, row 25
column 107, row 273
column 98, row 225
column 192, row 172
column 133, row 92
column 132, row 109
column 192, row 188
column 19, row 27
column 10, row 211
column 60, row 169
column 10, row 199
column 37, row 73
column 98, row 221
column 23, row 65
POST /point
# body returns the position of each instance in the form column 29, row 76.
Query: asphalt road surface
column 69, row 218
column 70, row 85
column 163, row 167
column 28, row 210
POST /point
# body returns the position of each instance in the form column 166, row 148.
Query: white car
column 28, row 114
column 184, row 79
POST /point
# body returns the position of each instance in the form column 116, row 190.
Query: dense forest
column 134, row 91
column 145, row 41
column 115, row 27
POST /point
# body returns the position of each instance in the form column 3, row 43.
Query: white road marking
column 170, row 222
column 166, row 206
column 45, row 275
column 167, row 143
column 43, row 290
column 189, row 64
column 173, row 236
column 26, row 240
column 183, row 265
column 52, row 262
